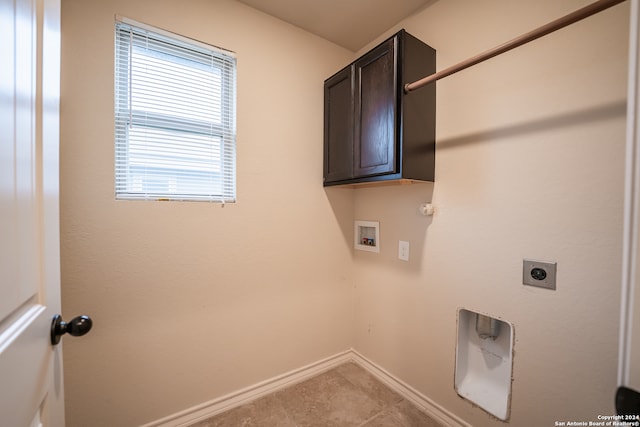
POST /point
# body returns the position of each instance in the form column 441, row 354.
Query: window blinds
column 174, row 117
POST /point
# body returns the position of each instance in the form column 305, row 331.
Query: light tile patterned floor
column 346, row 396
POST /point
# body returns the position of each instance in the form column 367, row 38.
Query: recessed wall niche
column 367, row 236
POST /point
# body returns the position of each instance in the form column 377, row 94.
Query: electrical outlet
column 539, row 273
column 403, row 250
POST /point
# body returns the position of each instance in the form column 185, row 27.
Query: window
column 174, row 117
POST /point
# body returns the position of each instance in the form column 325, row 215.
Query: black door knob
column 77, row 327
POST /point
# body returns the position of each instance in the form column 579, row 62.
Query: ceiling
column 349, row 23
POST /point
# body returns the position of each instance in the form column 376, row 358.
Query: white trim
column 173, row 35
column 631, row 233
column 246, row 395
column 424, row 403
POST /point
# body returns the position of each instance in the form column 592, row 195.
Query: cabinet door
column 375, row 111
column 338, row 126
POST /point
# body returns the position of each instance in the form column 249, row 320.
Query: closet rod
column 559, row 23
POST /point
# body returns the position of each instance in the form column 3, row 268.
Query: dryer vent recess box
column 374, row 132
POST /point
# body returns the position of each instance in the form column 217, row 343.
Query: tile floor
column 342, row 397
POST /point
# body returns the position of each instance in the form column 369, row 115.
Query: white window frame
column 165, row 148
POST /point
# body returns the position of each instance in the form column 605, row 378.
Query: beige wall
column 192, row 301
column 529, row 164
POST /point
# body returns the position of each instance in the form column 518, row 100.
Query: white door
column 628, row 395
column 31, row 392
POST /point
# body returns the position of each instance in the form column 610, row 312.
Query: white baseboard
column 427, row 405
column 216, row 406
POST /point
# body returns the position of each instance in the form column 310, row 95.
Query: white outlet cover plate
column 403, row 250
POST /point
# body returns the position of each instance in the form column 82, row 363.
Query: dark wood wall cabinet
column 374, row 132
